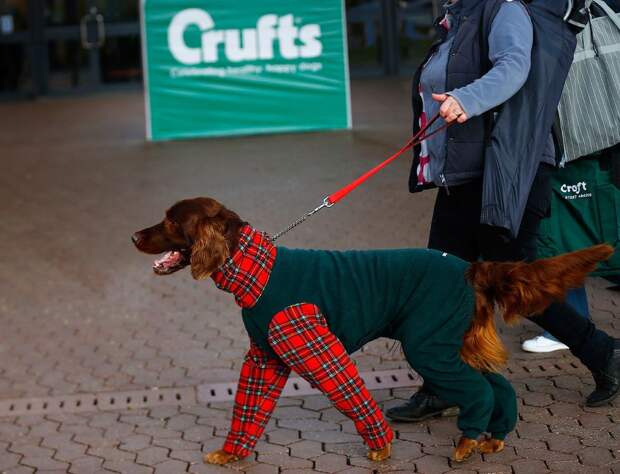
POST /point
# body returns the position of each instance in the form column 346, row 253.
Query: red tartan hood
column 246, row 272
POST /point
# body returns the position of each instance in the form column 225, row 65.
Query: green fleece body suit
column 417, row 296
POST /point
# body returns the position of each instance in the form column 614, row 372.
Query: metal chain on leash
column 302, row 219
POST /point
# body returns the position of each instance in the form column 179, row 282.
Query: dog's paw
column 219, row 457
column 490, row 445
column 464, row 449
column 380, row 454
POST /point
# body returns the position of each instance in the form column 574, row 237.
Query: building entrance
column 74, row 46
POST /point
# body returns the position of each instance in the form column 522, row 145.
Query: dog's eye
column 172, row 226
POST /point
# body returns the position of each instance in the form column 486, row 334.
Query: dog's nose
column 135, row 238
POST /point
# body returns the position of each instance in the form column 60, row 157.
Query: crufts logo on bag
column 574, row 191
column 242, row 45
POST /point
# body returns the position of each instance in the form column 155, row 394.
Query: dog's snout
column 136, row 238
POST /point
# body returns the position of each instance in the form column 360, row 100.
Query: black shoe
column 607, row 380
column 421, row 406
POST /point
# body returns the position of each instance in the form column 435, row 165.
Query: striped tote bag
column 589, row 110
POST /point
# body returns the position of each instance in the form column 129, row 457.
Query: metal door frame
column 75, row 32
column 28, row 40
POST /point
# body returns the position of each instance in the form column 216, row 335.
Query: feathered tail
column 519, row 289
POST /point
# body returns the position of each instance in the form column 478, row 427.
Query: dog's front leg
column 300, row 336
column 219, row 457
column 380, row 454
column 260, row 384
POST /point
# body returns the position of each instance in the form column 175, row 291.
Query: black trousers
column 456, row 229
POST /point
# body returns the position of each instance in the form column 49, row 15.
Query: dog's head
column 199, row 232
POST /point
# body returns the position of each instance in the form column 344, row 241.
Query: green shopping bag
column 585, row 211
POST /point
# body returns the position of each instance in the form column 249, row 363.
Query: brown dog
column 204, row 234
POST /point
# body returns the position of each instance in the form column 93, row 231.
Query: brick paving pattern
column 82, row 313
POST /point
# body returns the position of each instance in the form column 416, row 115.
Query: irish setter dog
column 205, row 235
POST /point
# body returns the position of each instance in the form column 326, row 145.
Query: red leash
column 333, row 198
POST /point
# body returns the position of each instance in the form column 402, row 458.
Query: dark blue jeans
column 578, row 299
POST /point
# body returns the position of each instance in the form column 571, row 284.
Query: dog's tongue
column 168, row 260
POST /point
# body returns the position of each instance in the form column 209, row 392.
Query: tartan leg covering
column 301, row 338
column 260, row 384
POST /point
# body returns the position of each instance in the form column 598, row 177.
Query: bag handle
column 613, row 16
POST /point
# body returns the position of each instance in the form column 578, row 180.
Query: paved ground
column 82, row 313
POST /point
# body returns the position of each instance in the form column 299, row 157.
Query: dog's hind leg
column 504, row 417
column 300, row 337
column 448, row 377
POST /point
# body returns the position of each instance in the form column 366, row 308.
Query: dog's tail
column 519, row 289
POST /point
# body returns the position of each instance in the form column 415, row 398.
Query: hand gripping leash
column 333, row 198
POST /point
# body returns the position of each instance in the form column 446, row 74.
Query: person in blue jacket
column 577, row 297
column 496, row 73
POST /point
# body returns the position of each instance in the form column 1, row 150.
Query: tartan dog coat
column 307, row 310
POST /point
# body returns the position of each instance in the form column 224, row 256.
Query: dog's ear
column 210, row 207
column 209, row 249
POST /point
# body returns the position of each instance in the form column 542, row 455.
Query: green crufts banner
column 222, row 67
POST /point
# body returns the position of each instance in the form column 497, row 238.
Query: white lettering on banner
column 242, row 45
column 181, row 21
column 281, row 68
column 312, row 67
column 247, row 69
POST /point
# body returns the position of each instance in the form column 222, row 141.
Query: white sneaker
column 542, row 344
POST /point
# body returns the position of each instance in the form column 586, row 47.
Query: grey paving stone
column 330, row 463
column 306, row 449
column 85, row 465
column 264, row 469
column 41, row 463
column 111, row 453
column 432, row 464
column 330, row 436
column 191, row 456
column 127, row 467
column 210, row 469
column 69, row 452
column 19, row 470
column 573, row 467
column 171, row 467
column 295, row 413
column 282, row 436
column 307, row 425
column 135, row 442
column 284, row 461
column 153, row 455
column 174, row 443
column 8, row 460
column 31, row 451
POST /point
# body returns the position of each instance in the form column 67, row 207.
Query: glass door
column 91, row 43
column 15, row 48
column 415, row 32
column 365, row 31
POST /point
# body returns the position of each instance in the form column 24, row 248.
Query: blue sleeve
column 510, row 50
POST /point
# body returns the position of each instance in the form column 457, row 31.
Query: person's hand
column 450, row 109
